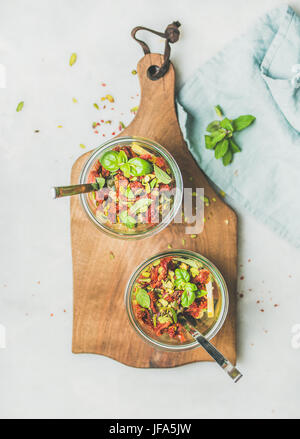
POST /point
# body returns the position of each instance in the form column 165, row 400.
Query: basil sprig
column 161, row 175
column 113, row 161
column 220, row 132
column 182, row 278
column 143, row 298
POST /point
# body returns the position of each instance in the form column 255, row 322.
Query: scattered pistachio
column 73, row 59
column 193, row 236
column 74, row 100
column 133, row 72
column 223, row 194
column 111, row 255
column 214, row 200
column 20, row 106
column 82, row 146
column 96, row 106
column 110, row 98
column 183, row 242
column 59, row 126
column 170, row 246
column 134, row 109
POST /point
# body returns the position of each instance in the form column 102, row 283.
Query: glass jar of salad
column 170, row 283
column 139, row 187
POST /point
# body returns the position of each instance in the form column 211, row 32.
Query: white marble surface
column 39, row 375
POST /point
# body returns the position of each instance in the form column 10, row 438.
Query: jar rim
column 217, row 276
column 178, row 189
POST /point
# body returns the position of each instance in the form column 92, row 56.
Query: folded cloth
column 258, row 74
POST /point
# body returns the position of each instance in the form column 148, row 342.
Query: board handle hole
column 152, row 72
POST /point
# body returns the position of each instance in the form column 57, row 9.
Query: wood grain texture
column 100, row 322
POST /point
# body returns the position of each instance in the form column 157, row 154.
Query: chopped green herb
column 20, row 106
column 73, row 59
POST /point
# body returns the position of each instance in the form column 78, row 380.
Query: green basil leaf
column 234, row 147
column 221, row 149
column 142, row 298
column 218, row 110
column 179, row 284
column 182, row 275
column 101, row 182
column 140, row 204
column 213, row 126
column 243, row 122
column 122, row 157
column 218, row 136
column 190, row 287
column 208, row 142
column 109, row 161
column 187, row 298
column 128, row 220
column 225, row 123
column 140, row 166
column 227, row 159
column 126, row 169
column 161, row 175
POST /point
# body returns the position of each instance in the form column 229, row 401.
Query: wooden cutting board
column 100, row 323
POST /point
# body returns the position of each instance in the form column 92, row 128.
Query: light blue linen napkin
column 258, row 74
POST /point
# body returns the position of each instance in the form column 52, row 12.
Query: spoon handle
column 231, row 370
column 67, row 191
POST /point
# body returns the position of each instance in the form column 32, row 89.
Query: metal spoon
column 67, row 191
column 231, row 370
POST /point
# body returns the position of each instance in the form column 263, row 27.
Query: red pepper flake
column 241, row 296
column 96, row 132
column 258, row 301
column 38, row 282
column 65, row 310
column 249, row 260
column 262, row 310
column 242, row 277
column 103, row 135
column 103, row 84
column 102, row 121
column 51, row 315
column 104, row 106
column 276, row 305
column 113, row 134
